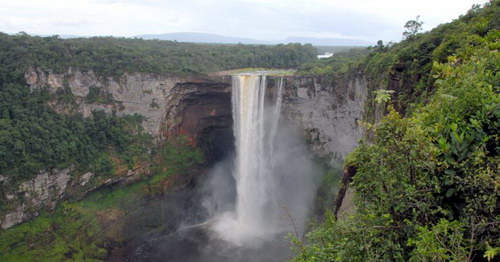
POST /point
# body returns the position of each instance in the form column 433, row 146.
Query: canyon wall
column 144, row 94
column 172, row 106
column 327, row 110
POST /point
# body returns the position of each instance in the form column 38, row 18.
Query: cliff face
column 198, row 108
column 328, row 110
column 172, row 106
column 144, row 94
column 43, row 191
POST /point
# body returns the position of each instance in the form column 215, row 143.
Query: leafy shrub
column 426, row 187
column 34, row 137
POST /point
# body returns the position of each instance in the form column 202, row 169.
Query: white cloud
column 265, row 19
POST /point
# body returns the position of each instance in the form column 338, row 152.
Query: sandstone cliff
column 171, row 106
column 327, row 110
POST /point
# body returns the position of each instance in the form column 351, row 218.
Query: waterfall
column 256, row 121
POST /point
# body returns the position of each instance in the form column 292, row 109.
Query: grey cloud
column 69, row 23
column 267, row 20
column 253, row 19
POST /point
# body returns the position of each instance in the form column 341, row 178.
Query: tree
column 412, row 27
column 380, row 45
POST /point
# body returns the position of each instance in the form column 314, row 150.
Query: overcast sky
column 260, row 19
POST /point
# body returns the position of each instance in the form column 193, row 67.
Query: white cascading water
column 256, row 121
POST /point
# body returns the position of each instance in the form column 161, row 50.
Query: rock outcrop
column 328, row 110
column 144, row 94
column 343, row 203
column 43, row 191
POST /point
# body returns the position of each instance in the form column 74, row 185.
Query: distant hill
column 203, row 38
column 327, row 41
column 214, row 38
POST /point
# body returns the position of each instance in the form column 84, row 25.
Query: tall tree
column 412, row 27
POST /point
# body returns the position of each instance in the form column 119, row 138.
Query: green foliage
column 406, row 66
column 73, row 231
column 96, row 95
column 443, row 242
column 336, row 49
column 33, row 137
column 358, row 238
column 325, row 194
column 340, row 63
column 426, row 187
column 175, row 157
column 412, row 27
column 68, row 234
column 383, row 96
column 491, row 252
column 109, row 56
column 65, row 94
column 103, row 165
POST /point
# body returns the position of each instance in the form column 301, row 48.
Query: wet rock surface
column 328, row 111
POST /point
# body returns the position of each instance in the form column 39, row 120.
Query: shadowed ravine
column 200, row 243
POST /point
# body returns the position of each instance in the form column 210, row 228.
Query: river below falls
column 199, row 244
column 187, row 235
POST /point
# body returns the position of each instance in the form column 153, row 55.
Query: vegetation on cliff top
column 410, row 62
column 427, row 185
column 109, row 56
column 340, row 63
column 406, row 67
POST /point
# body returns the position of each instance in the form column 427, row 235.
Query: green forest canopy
column 427, row 185
column 110, row 56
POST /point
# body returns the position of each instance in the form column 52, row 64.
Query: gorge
column 254, row 198
column 116, row 149
column 200, row 110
